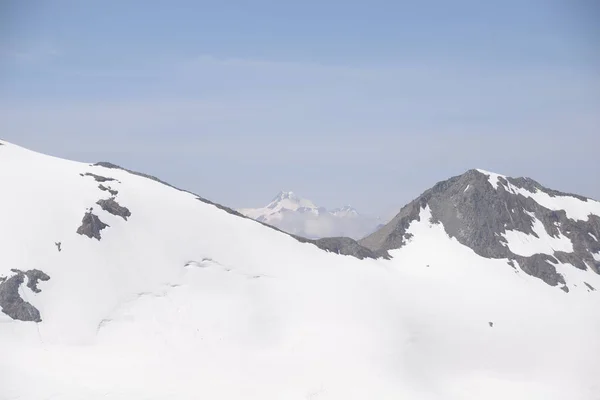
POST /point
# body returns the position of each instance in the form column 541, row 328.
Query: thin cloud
column 29, row 54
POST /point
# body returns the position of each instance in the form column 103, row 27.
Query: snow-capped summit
column 299, row 216
column 546, row 233
column 281, row 204
column 115, row 285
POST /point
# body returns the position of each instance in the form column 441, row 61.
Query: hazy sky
column 366, row 103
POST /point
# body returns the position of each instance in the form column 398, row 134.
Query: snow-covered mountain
column 115, row 285
column 544, row 232
column 296, row 215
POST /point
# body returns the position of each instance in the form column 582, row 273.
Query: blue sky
column 367, row 103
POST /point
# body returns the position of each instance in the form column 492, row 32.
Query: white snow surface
column 524, row 244
column 185, row 301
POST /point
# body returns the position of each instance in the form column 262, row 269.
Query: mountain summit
column 296, row 215
column 537, row 229
column 284, row 202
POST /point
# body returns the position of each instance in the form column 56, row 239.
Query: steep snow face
column 302, row 217
column 182, row 300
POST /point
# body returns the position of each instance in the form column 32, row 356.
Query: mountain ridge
column 474, row 208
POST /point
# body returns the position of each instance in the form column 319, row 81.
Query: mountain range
column 293, row 214
column 117, row 285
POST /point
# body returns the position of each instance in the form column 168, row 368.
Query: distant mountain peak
column 300, row 216
column 346, row 210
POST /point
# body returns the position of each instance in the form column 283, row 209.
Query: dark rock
column 541, row 266
column 345, row 246
column 491, row 324
column 58, row 246
column 114, row 208
column 33, row 277
column 590, row 286
column 108, row 189
column 99, row 178
column 570, row 258
column 91, row 226
column 11, row 302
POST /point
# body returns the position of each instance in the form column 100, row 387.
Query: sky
column 366, row 103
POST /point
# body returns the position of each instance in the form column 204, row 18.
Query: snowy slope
column 183, row 300
column 296, row 215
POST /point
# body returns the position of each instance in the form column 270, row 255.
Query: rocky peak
column 482, row 210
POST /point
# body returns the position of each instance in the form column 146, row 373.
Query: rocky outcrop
column 99, row 178
column 108, row 189
column 114, row 208
column 347, row 246
column 478, row 215
column 33, row 277
column 10, row 300
column 91, row 226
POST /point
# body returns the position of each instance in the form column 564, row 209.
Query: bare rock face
column 91, row 226
column 114, row 208
column 108, row 189
column 33, row 277
column 590, row 287
column 478, row 215
column 10, row 300
column 99, row 178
